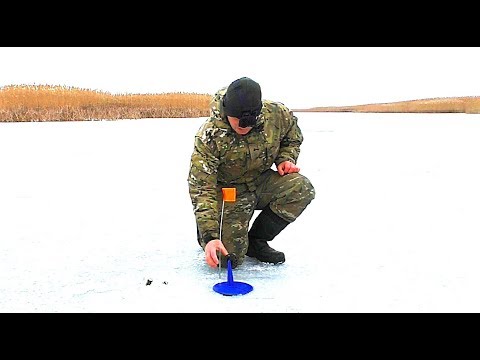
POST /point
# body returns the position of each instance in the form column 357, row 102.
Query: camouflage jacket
column 223, row 158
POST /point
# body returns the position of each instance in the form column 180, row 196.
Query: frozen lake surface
column 91, row 210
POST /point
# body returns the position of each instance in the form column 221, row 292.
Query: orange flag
column 229, row 194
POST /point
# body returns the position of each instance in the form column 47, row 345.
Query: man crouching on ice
column 236, row 148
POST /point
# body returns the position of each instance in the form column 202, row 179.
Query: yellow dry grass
column 60, row 103
column 466, row 105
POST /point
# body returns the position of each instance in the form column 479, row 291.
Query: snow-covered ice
column 91, row 210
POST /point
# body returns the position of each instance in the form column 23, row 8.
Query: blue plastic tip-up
column 231, row 287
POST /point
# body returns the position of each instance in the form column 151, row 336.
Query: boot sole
column 266, row 261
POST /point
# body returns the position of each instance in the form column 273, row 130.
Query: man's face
column 234, row 124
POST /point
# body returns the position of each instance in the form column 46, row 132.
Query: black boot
column 266, row 226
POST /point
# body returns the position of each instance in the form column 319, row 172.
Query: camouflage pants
column 286, row 195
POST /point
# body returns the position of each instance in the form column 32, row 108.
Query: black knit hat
column 243, row 99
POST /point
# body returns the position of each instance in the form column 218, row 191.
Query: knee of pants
column 308, row 189
column 297, row 188
column 293, row 197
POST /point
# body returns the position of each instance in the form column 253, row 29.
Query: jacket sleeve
column 202, row 182
column 291, row 139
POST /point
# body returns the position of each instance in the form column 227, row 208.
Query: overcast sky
column 300, row 77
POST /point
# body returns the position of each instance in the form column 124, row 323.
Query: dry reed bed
column 60, row 103
column 467, row 105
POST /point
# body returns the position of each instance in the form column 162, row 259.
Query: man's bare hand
column 287, row 167
column 211, row 252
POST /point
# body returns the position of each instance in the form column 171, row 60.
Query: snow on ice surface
column 91, row 210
